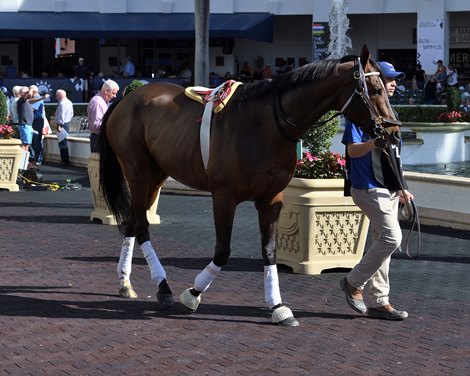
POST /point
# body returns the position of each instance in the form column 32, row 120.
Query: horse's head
column 369, row 106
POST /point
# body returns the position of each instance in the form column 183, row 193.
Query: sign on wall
column 430, row 46
column 320, row 40
column 459, row 35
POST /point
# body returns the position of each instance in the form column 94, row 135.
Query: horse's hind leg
column 144, row 185
column 268, row 213
column 124, row 268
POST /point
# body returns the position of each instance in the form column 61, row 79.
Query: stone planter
column 101, row 210
column 319, row 228
column 10, row 158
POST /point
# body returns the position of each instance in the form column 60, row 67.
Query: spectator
column 97, row 108
column 16, row 91
column 267, row 72
column 11, row 70
column 186, row 73
column 430, row 90
column 82, row 72
column 129, row 68
column 25, row 118
column 247, row 72
column 63, row 118
column 160, row 72
column 419, row 76
column 37, row 103
column 452, row 76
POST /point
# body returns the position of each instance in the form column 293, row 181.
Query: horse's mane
column 285, row 81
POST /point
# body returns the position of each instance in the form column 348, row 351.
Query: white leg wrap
column 272, row 294
column 124, row 266
column 205, row 278
column 157, row 272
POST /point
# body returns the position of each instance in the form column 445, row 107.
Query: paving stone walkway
column 60, row 313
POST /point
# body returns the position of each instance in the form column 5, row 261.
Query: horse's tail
column 112, row 182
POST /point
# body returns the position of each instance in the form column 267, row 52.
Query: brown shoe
column 387, row 312
column 353, row 296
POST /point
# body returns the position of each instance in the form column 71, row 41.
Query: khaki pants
column 381, row 207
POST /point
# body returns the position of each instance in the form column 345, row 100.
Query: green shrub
column 318, row 140
column 3, row 108
column 132, row 86
column 453, row 99
column 422, row 114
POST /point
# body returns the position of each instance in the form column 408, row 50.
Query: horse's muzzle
column 395, row 137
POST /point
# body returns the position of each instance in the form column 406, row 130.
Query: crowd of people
column 434, row 86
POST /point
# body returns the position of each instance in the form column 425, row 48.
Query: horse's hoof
column 189, row 301
column 284, row 316
column 127, row 292
column 165, row 300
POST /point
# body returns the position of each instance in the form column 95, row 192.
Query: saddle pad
column 219, row 96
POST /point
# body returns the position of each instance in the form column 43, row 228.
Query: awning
column 255, row 26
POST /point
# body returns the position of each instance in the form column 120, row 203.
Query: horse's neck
column 307, row 103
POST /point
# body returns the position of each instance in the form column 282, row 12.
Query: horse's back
column 159, row 121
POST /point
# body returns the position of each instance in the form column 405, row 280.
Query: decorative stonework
column 101, row 210
column 10, row 158
column 319, row 228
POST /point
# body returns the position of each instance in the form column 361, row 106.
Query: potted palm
column 10, row 150
column 319, row 228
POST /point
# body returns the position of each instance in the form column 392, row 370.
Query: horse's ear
column 365, row 56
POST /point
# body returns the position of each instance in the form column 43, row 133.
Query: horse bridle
column 380, row 122
column 361, row 91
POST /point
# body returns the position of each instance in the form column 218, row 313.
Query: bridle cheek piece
column 380, row 123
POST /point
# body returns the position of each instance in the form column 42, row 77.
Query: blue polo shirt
column 362, row 172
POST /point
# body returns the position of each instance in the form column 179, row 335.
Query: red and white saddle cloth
column 214, row 101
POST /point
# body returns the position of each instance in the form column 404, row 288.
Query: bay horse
column 153, row 133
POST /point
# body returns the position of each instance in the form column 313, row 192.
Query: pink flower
column 341, row 162
column 309, row 156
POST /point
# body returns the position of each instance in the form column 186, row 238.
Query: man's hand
column 406, row 197
column 380, row 143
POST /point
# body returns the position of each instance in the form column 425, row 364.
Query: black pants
column 38, row 125
column 63, row 146
column 94, row 143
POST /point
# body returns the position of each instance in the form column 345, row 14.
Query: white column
column 432, row 34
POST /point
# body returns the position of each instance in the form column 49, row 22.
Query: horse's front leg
column 268, row 214
column 224, row 212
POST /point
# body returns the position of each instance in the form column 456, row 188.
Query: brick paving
column 60, row 313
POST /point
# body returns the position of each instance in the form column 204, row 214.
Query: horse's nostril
column 395, row 136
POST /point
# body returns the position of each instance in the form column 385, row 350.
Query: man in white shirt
column 452, row 75
column 63, row 118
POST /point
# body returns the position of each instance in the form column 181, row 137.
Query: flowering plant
column 317, row 161
column 6, row 131
column 452, row 116
column 325, row 165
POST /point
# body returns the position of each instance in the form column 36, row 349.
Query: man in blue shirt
column 377, row 190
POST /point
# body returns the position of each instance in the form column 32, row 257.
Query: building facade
column 39, row 36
